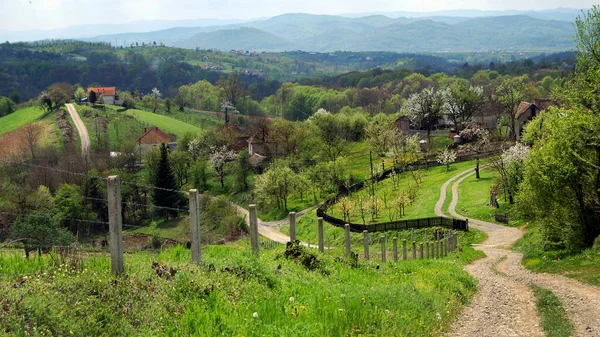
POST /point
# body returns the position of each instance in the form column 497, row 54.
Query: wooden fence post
column 383, row 251
column 347, row 236
column 195, row 226
column 437, row 249
column 308, row 243
column 366, row 243
column 115, row 223
column 414, row 250
column 321, row 236
column 254, row 230
column 427, row 249
column 292, row 218
column 404, row 249
column 395, row 243
column 421, row 251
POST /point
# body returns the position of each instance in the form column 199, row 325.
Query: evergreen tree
column 165, row 181
column 242, row 171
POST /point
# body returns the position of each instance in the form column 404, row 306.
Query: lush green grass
column 583, row 266
column 20, row 118
column 554, row 317
column 474, row 198
column 232, row 294
column 307, row 230
column 424, row 204
column 165, row 123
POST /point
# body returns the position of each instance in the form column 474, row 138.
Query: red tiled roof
column 106, row 91
column 160, row 133
column 523, row 107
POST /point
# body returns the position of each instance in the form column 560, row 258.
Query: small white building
column 107, row 95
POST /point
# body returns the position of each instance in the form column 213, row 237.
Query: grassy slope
column 424, row 204
column 474, row 197
column 165, row 123
column 414, row 298
column 20, row 118
column 583, row 266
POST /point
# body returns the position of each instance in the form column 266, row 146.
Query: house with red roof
column 528, row 111
column 153, row 137
column 106, row 95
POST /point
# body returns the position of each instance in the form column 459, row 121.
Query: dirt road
column 82, row 130
column 504, row 304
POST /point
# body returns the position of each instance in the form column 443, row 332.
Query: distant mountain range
column 447, row 31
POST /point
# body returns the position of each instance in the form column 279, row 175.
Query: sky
column 49, row 14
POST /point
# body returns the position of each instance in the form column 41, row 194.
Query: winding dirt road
column 504, row 304
column 268, row 229
column 82, row 130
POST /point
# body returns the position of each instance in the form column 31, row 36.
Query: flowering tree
column 218, row 158
column 446, row 158
column 461, row 102
column 511, row 166
column 155, row 101
column 425, row 109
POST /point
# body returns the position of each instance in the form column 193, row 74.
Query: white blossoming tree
column 218, row 158
column 446, row 158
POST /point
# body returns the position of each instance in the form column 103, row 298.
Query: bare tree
column 31, row 137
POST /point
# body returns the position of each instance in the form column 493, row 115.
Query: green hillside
column 20, row 118
column 242, row 38
column 165, row 123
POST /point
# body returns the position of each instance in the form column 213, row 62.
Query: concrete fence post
column 347, row 236
column 292, row 218
column 366, row 244
column 115, row 223
column 321, row 236
column 414, row 250
column 421, row 251
column 308, row 243
column 404, row 249
column 383, row 250
column 254, row 230
column 395, row 243
column 195, row 226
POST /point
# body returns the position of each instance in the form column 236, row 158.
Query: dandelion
column 437, row 314
column 292, row 299
column 255, row 315
column 343, row 295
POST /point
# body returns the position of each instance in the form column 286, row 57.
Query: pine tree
column 165, row 195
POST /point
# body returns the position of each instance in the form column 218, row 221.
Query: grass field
column 231, row 294
column 165, row 123
column 474, row 198
column 20, row 118
column 583, row 266
column 422, row 207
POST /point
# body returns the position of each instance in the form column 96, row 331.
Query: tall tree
column 233, row 88
column 425, row 109
column 461, row 102
column 166, row 194
column 510, row 93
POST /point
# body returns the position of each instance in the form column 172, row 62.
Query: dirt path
column 504, row 304
column 269, row 228
column 82, row 130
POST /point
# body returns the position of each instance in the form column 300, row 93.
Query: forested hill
column 327, row 33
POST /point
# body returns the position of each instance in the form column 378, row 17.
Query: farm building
column 153, row 137
column 107, row 95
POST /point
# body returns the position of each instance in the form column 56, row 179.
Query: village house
column 107, row 95
column 528, row 111
column 153, row 138
column 403, row 124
